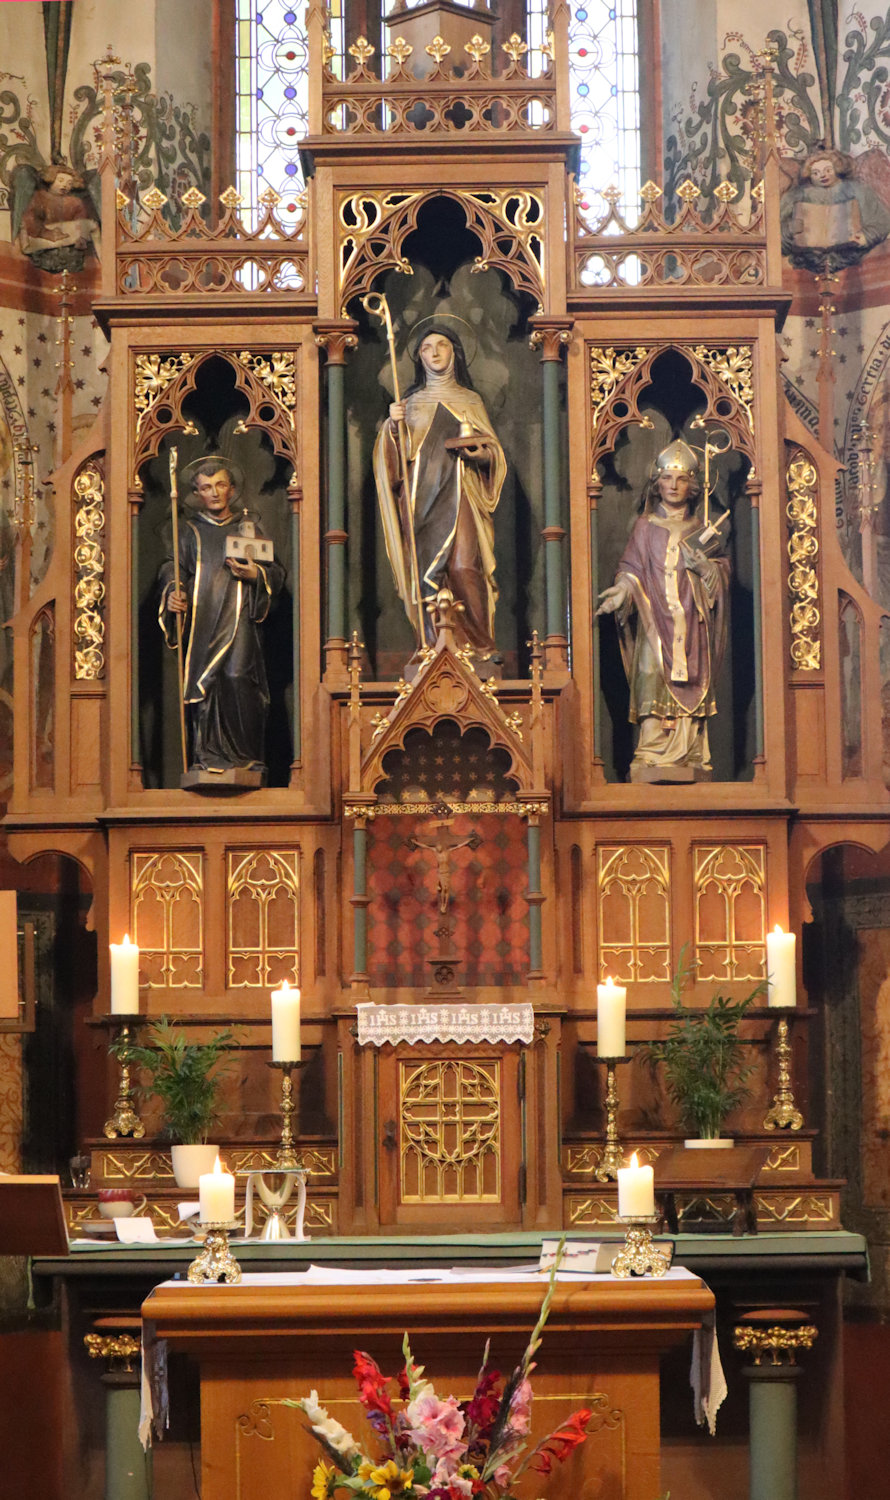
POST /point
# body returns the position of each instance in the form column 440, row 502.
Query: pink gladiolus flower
column 438, row 1426
column 519, row 1416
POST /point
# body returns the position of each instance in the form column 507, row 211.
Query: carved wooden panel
column 730, row 911
column 450, row 1131
column 263, row 917
column 634, row 908
column 167, row 917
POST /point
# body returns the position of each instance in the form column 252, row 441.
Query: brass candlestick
column 638, row 1256
column 216, row 1261
column 784, row 1114
column 123, row 1119
column 287, row 1158
column 611, row 1159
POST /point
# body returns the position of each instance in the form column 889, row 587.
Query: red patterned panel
column 488, row 908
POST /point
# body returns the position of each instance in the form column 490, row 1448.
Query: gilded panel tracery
column 730, row 911
column 450, row 1148
column 802, row 483
column 509, row 224
column 89, row 579
column 167, row 912
column 262, row 895
column 633, row 885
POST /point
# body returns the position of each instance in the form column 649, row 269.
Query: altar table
column 271, row 1338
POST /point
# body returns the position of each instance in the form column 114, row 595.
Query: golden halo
column 224, row 462
column 413, row 341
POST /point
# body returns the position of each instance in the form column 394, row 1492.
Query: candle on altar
column 781, row 969
column 124, row 978
column 611, row 1013
column 286, row 1024
column 636, row 1191
column 216, row 1194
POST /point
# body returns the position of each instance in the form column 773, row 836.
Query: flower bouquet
column 433, row 1449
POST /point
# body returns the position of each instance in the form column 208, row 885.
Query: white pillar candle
column 124, row 978
column 636, row 1191
column 781, row 969
column 285, row 1024
column 611, row 1013
column 216, row 1194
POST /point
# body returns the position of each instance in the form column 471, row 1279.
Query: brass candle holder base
column 611, row 1159
column 123, row 1120
column 784, row 1113
column 216, row 1261
column 287, row 1158
column 638, row 1256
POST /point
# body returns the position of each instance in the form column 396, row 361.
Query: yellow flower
column 382, row 1481
column 467, row 1471
column 322, row 1476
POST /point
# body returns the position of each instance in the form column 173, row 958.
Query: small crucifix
column 443, row 847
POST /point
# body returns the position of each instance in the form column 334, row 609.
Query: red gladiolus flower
column 483, row 1406
column 560, row 1443
column 372, row 1386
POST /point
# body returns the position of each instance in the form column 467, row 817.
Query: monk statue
column 228, row 580
column 670, row 602
column 439, row 470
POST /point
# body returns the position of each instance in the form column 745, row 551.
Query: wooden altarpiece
column 225, row 331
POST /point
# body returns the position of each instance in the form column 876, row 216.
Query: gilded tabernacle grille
column 450, row 1147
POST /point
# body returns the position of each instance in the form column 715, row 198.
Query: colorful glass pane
column 272, row 85
column 604, row 61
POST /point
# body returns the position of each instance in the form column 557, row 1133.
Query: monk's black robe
column 226, row 690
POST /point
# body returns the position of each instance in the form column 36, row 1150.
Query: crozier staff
column 669, row 598
column 221, row 600
column 438, row 506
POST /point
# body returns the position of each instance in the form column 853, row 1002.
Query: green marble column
column 127, row 1467
column 772, row 1337
column 552, row 335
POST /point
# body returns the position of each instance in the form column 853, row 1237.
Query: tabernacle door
column 451, row 1139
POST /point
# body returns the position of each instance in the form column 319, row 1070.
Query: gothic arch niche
column 669, row 390
column 442, row 251
column 491, row 939
column 211, row 397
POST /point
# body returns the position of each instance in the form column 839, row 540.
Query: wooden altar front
column 266, row 1341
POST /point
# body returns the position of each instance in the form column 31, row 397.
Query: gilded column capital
column 336, row 336
column 774, row 1343
column 551, row 335
column 119, row 1349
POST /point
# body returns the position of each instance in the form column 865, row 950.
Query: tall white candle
column 216, row 1195
column 636, row 1191
column 124, row 978
column 781, row 968
column 611, row 1014
column 285, row 1024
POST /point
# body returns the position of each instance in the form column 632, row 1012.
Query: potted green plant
column 185, row 1076
column 702, row 1058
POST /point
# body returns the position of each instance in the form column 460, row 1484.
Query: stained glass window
column 272, row 90
column 604, row 59
column 272, row 93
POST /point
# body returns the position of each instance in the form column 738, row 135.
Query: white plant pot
column 709, row 1143
column 189, row 1162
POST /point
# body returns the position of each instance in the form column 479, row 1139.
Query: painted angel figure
column 55, row 220
column 832, row 215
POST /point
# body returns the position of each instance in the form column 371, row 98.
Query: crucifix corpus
column 443, row 846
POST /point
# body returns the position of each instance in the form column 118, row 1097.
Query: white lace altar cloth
column 378, row 1024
